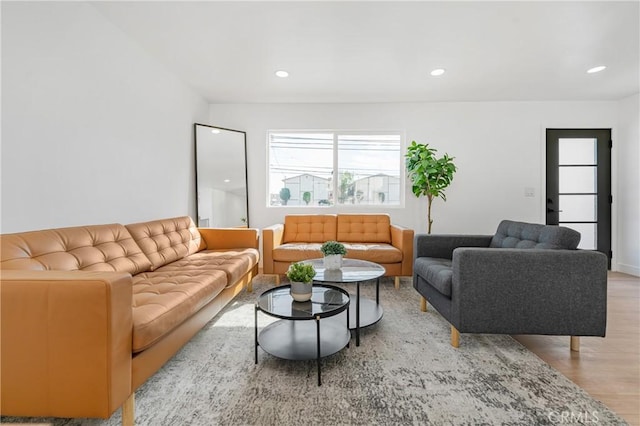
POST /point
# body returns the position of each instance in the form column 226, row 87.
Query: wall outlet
column 529, row 191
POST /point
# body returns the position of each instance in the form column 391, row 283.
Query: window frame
column 336, row 134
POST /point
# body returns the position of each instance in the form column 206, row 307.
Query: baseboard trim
column 628, row 269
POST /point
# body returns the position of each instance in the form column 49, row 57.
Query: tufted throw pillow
column 167, row 240
column 511, row 234
column 104, row 248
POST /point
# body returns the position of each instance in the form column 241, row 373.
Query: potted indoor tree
column 301, row 275
column 333, row 252
column 429, row 175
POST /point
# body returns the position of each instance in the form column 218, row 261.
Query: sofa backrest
column 85, row 248
column 511, row 234
column 167, row 240
column 309, row 228
column 364, row 228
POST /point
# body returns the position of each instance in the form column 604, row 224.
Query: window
column 302, row 166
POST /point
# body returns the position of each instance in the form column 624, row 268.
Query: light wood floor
column 607, row 368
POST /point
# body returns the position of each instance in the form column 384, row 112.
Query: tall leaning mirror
column 221, row 177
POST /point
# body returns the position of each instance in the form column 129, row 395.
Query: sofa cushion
column 234, row 263
column 437, row 272
column 364, row 228
column 167, row 240
column 378, row 253
column 86, row 248
column 523, row 235
column 162, row 300
column 312, row 228
column 295, row 252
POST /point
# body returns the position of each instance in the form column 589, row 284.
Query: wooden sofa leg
column 455, row 337
column 397, row 282
column 128, row 411
column 250, row 286
column 423, row 304
column 277, row 279
column 575, row 343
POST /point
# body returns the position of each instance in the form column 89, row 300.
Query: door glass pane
column 577, row 179
column 577, row 151
column 578, row 208
column 587, row 232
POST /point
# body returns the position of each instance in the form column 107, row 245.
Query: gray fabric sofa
column 526, row 279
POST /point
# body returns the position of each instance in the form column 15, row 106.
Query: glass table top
column 353, row 270
column 325, row 301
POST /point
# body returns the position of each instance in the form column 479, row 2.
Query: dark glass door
column 579, row 184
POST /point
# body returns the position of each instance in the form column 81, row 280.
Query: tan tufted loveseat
column 369, row 237
column 90, row 313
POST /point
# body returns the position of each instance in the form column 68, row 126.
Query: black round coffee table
column 306, row 330
column 367, row 312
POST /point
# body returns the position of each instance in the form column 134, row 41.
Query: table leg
column 256, row 332
column 378, row 291
column 358, row 313
column 318, row 337
column 348, row 331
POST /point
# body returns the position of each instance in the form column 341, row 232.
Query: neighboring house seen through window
column 302, row 167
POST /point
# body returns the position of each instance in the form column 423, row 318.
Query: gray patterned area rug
column 403, row 373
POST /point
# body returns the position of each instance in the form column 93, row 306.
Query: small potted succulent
column 333, row 252
column 301, row 276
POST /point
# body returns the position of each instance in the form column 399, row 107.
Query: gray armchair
column 525, row 279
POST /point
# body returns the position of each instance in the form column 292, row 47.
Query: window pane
column 577, row 151
column 300, row 169
column 578, row 208
column 322, row 169
column 587, row 234
column 368, row 169
column 577, row 179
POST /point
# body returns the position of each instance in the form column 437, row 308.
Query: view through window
column 302, row 167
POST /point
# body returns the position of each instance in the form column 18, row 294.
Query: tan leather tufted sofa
column 369, row 237
column 90, row 313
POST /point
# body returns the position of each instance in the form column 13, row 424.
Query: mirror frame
column 246, row 171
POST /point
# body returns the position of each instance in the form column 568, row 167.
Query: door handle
column 553, row 211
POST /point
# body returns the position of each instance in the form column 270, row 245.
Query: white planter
column 301, row 292
column 333, row 261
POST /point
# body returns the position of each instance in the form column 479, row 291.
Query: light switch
column 528, row 191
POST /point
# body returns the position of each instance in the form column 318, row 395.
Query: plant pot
column 333, row 261
column 301, row 292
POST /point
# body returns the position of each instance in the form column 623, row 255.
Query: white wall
column 93, row 129
column 498, row 146
column 627, row 197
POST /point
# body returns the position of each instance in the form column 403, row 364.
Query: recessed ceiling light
column 596, row 69
column 215, row 131
column 282, row 74
column 227, row 180
column 437, row 72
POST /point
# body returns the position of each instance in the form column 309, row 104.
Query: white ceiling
column 384, row 51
